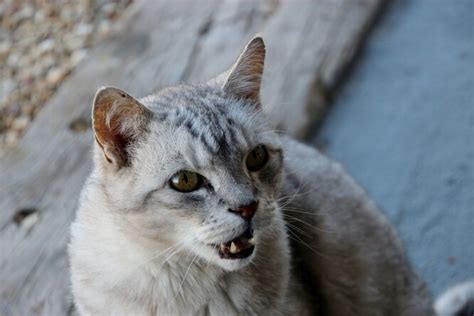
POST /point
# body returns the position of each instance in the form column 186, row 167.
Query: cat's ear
column 245, row 76
column 118, row 120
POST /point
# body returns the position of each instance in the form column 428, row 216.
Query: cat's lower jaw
column 238, row 248
column 234, row 254
column 237, row 252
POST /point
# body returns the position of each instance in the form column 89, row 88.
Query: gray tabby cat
column 195, row 206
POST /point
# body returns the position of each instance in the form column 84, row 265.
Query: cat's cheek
column 270, row 178
column 268, row 175
column 266, row 216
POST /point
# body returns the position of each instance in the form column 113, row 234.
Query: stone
column 83, row 29
column 46, row 45
column 5, row 48
column 77, row 56
column 104, row 29
column 55, row 75
column 20, row 123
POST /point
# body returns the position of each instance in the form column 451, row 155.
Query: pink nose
column 246, row 211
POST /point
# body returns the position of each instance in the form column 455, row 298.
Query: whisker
column 295, row 237
column 301, row 231
column 180, row 288
column 135, row 269
column 173, row 248
column 306, row 223
column 296, row 210
column 290, row 198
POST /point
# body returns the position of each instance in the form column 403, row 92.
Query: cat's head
column 194, row 166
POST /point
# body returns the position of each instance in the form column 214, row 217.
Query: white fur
column 113, row 273
column 454, row 299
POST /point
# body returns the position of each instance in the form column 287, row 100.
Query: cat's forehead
column 201, row 97
column 206, row 118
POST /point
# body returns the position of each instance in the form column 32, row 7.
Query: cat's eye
column 257, row 158
column 186, row 181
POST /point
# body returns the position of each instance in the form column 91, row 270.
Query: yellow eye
column 186, row 181
column 257, row 158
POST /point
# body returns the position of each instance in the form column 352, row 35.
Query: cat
column 197, row 206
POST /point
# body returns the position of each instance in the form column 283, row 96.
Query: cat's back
column 344, row 250
column 311, row 176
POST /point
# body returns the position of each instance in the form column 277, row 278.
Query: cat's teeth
column 252, row 241
column 233, row 248
column 222, row 247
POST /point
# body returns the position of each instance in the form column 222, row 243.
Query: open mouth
column 239, row 247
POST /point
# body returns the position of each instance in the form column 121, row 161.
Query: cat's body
column 306, row 240
column 351, row 265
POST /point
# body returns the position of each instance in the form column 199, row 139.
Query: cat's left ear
column 244, row 78
column 118, row 120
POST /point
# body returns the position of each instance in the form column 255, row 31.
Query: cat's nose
column 246, row 211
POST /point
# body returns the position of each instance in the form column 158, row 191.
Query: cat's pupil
column 257, row 158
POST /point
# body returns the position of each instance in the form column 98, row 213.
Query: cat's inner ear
column 118, row 121
column 245, row 77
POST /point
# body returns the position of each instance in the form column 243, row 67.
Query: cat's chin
column 234, row 264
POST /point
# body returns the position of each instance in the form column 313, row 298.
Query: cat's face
column 212, row 172
column 194, row 167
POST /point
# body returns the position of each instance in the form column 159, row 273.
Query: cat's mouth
column 237, row 248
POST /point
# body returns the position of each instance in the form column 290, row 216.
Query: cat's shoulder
column 305, row 163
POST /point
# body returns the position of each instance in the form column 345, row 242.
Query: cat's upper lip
column 240, row 247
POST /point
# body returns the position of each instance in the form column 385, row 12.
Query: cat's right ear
column 245, row 76
column 118, row 120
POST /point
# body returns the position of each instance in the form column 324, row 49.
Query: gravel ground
column 41, row 41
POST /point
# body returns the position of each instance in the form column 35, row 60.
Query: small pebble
column 46, row 45
column 20, row 123
column 77, row 56
column 55, row 75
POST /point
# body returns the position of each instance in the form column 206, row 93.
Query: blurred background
column 403, row 126
column 384, row 87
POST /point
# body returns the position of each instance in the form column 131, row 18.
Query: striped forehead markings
column 207, row 126
column 203, row 114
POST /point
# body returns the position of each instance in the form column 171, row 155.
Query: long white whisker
column 299, row 230
column 180, row 288
column 300, row 211
column 289, row 217
column 137, row 268
column 283, row 201
column 295, row 237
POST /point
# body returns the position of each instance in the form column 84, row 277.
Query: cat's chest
column 191, row 290
column 209, row 293
column 184, row 285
